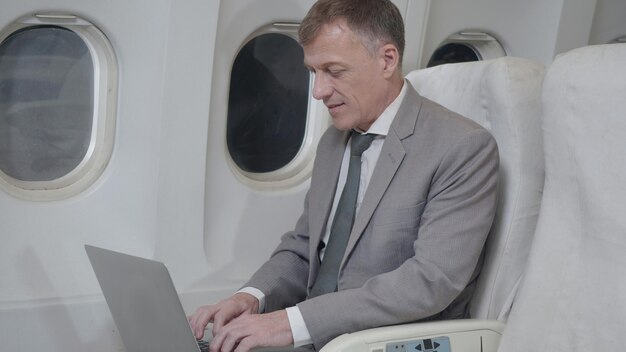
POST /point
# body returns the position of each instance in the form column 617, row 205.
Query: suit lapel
column 391, row 157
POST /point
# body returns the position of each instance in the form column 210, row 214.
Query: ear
column 390, row 59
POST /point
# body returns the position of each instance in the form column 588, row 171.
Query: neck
column 395, row 86
column 392, row 92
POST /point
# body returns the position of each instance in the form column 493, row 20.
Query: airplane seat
column 573, row 294
column 503, row 95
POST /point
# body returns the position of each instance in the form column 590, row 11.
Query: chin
column 342, row 127
column 342, row 124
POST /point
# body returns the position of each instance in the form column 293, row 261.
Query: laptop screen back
column 143, row 302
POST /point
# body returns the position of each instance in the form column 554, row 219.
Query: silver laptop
column 144, row 303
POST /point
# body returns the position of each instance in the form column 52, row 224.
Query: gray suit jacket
column 416, row 246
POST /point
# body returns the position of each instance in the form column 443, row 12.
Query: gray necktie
column 326, row 280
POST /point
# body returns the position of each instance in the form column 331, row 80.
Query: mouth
column 332, row 108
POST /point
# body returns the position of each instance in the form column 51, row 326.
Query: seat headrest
column 572, row 297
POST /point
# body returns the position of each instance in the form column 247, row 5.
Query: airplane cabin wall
column 150, row 199
column 533, row 29
column 608, row 22
column 575, row 25
column 241, row 218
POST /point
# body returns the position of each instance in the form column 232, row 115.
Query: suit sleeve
column 457, row 217
column 283, row 278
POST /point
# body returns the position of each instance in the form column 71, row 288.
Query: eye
column 335, row 72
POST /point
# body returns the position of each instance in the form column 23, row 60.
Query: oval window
column 58, row 102
column 46, row 103
column 452, row 53
column 267, row 104
column 466, row 47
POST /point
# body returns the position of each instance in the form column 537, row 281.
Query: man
column 425, row 202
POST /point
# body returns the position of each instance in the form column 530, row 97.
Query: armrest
column 464, row 335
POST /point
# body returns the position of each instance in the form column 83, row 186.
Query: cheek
column 363, row 90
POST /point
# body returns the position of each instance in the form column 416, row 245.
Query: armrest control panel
column 436, row 344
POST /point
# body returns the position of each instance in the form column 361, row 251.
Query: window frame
column 105, row 90
column 483, row 45
column 317, row 120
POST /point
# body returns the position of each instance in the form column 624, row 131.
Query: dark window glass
column 268, row 102
column 46, row 103
column 452, row 53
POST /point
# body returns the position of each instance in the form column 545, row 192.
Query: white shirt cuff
column 299, row 330
column 256, row 293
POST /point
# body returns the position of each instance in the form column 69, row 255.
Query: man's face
column 348, row 78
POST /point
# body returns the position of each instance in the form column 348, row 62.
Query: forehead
column 335, row 42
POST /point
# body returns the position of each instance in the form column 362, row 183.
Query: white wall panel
column 574, row 25
column 183, row 139
column 608, row 22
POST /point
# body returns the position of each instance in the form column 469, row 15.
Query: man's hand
column 249, row 331
column 220, row 314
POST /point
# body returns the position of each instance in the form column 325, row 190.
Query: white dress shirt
column 380, row 128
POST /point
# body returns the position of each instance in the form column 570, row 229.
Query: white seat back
column 503, row 95
column 573, row 296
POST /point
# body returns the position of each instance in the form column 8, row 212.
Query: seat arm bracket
column 465, row 335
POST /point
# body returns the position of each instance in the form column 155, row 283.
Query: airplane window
column 58, row 96
column 268, row 102
column 46, row 103
column 452, row 53
column 465, row 47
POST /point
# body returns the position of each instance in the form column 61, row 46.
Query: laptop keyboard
column 204, row 345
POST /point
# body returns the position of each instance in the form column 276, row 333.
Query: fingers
column 222, row 317
column 249, row 331
column 222, row 313
column 200, row 319
column 235, row 306
column 246, row 344
column 227, row 341
column 230, row 335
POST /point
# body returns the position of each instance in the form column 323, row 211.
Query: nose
column 322, row 87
